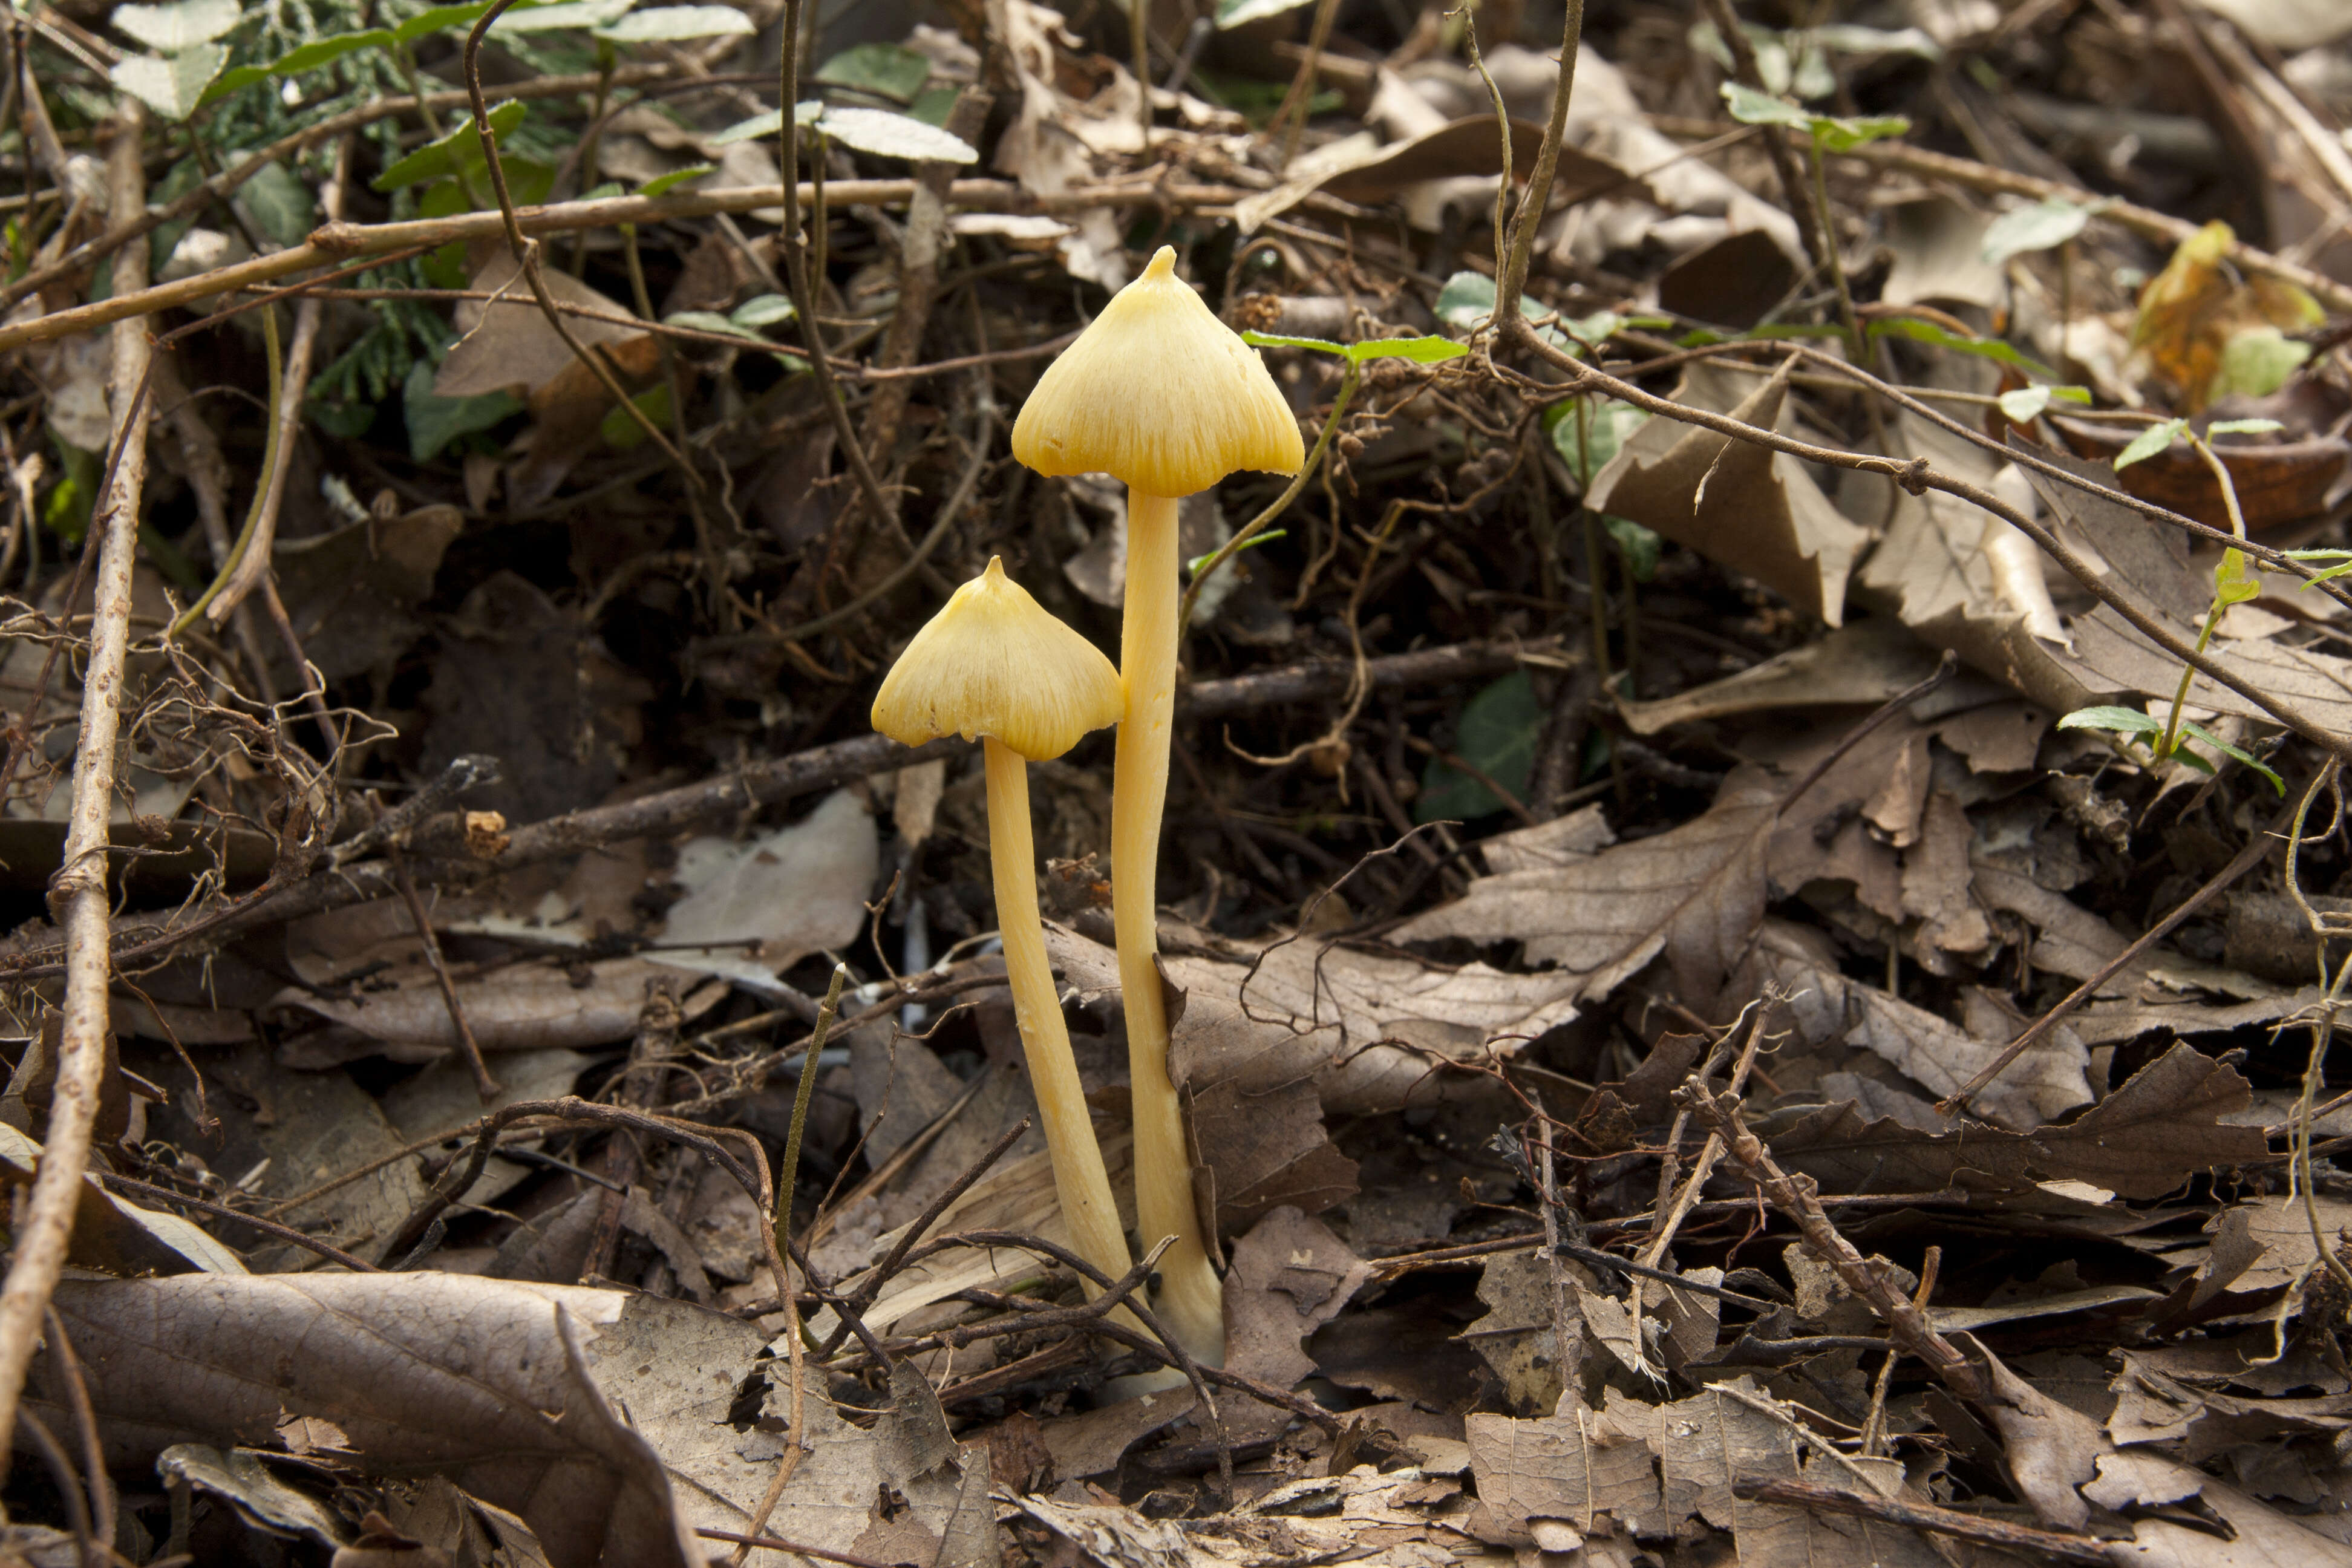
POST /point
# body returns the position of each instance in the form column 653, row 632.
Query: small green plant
column 2233, row 584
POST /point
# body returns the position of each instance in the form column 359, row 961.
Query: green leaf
column 1276, row 341
column 1192, row 567
column 1993, row 349
column 711, row 322
column 1240, row 12
column 320, row 52
column 2258, row 361
column 1468, row 301
column 434, row 422
column 764, row 311
column 459, row 150
column 172, row 87
column 1830, row 133
column 1834, row 134
column 767, row 124
column 2122, row 721
column 2227, row 750
column 676, row 24
column 934, row 104
column 1750, row 107
column 624, row 434
column 2150, row 441
column 889, row 135
column 1585, row 443
column 576, row 14
column 1499, row 729
column 235, row 80
column 2230, row 583
column 1420, row 351
column 172, row 29
column 2343, row 559
column 436, row 19
column 1637, row 544
column 2242, row 427
column 2024, row 406
column 675, row 178
column 886, row 70
column 282, row 205
column 2041, row 227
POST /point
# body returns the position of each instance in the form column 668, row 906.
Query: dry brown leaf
column 1861, row 665
column 1743, row 507
column 1827, row 1006
column 2143, row 1141
column 528, row 1008
column 1694, row 893
column 1289, row 1277
column 507, row 342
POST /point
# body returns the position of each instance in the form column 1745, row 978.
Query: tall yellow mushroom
column 993, row 663
column 1158, row 394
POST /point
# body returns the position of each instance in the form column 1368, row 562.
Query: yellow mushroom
column 993, row 663
column 1161, row 394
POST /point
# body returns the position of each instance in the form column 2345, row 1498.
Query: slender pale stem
column 1088, row 1208
column 1190, row 1300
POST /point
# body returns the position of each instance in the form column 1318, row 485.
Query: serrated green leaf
column 676, row 24
column 459, row 150
column 889, row 135
column 2227, row 750
column 764, row 311
column 434, row 18
column 1836, row 134
column 326, row 51
column 675, row 178
column 2122, row 721
column 2242, row 427
column 2150, row 441
column 2230, row 583
column 886, row 70
column 172, row 29
column 1240, row 13
column 1277, row 341
column 583, row 14
column 1420, row 351
column 1830, row 133
column 172, row 86
column 1499, row 729
column 2042, row 226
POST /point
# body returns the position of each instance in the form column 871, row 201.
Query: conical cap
column 1159, row 394
column 994, row 661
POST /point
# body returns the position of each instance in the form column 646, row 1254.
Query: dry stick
column 1813, row 225
column 2246, row 859
column 2021, row 1538
column 485, row 1087
column 93, row 1448
column 867, row 1292
column 782, row 778
column 78, row 895
column 221, row 185
column 253, row 562
column 803, row 289
column 1797, row 1197
column 780, row 1224
column 1874, row 1426
column 526, row 256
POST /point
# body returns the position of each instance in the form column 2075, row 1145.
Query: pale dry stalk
column 78, row 898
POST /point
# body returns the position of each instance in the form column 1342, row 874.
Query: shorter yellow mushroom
column 993, row 663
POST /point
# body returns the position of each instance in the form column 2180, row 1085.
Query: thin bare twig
column 77, row 893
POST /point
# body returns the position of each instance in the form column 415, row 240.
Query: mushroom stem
column 1088, row 1208
column 1191, row 1299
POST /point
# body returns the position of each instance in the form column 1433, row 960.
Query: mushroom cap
column 994, row 661
column 1159, row 394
